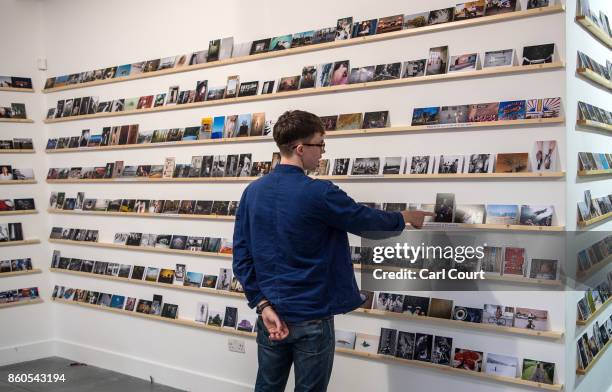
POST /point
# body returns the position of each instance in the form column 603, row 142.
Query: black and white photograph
column 423, row 347
column 366, row 167
column 341, row 167
column 387, row 342
column 420, row 164
column 449, row 164
column 538, row 54
column 478, row 163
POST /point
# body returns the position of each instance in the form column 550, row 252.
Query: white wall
column 27, row 328
column 83, row 36
column 583, row 140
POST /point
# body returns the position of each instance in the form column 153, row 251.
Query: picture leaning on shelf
column 496, row 315
column 160, row 241
column 592, row 208
column 487, row 112
column 180, row 276
column 599, row 19
column 587, row 112
column 15, row 265
column 595, row 255
column 59, row 201
column 544, row 158
column 589, row 161
column 17, row 204
column 16, row 110
column 345, row 28
column 19, row 295
column 594, row 299
column 153, row 307
column 586, row 62
column 8, row 173
column 227, row 319
column 15, row 82
column 11, row 232
column 319, row 76
column 438, row 350
column 17, row 144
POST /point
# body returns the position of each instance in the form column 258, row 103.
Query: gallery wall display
column 313, row 79
column 16, row 111
column 15, row 83
column 596, row 23
column 24, row 205
column 17, row 297
column 594, row 163
column 593, row 210
column 15, row 265
column 595, row 257
column 346, row 32
column 141, row 207
column 16, row 145
column 592, row 70
column 514, row 265
column 11, row 174
column 418, row 350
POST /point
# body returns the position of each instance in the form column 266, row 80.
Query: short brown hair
column 294, row 125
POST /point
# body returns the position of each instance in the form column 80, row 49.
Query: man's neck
column 291, row 161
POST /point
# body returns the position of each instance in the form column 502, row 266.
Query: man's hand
column 276, row 327
column 416, row 218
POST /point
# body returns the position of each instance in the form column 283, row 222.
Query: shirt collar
column 284, row 168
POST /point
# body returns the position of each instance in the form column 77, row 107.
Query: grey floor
column 78, row 378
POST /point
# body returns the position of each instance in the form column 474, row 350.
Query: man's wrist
column 264, row 303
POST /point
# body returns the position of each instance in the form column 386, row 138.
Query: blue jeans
column 310, row 346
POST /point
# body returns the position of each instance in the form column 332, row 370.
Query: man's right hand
column 276, row 327
column 416, row 218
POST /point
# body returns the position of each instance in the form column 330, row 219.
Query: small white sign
column 236, row 345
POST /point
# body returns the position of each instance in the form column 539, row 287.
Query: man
column 291, row 255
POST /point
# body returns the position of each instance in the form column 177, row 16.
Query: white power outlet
column 236, row 345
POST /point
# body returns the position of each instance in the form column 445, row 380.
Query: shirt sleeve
column 243, row 265
column 342, row 212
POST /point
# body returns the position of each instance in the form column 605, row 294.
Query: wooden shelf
column 329, row 134
column 17, row 182
column 18, row 243
column 600, row 354
column 17, row 273
column 597, row 31
column 585, row 173
column 21, row 212
column 377, row 357
column 141, row 248
column 594, row 77
column 365, row 312
column 178, row 321
column 482, row 226
column 451, row 370
column 595, row 314
column 593, row 221
column 147, row 283
column 141, row 215
column 17, row 90
column 530, row 175
column 594, row 124
column 20, row 303
column 17, row 151
column 493, row 227
column 325, row 90
column 327, row 45
column 503, row 278
column 16, row 120
column 463, row 325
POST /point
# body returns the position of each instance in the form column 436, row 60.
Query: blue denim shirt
column 291, row 244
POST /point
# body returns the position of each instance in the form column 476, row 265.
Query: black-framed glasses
column 321, row 145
